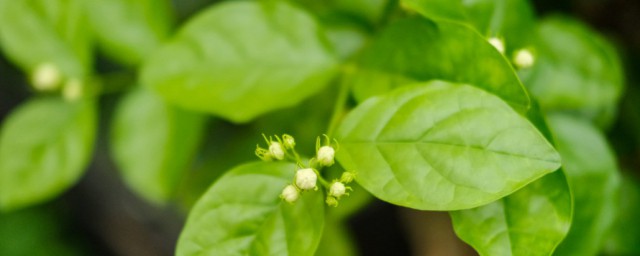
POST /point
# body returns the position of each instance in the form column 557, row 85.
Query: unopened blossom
column 326, row 155
column 290, row 194
column 276, row 150
column 497, row 43
column 523, row 59
column 306, row 179
column 337, row 189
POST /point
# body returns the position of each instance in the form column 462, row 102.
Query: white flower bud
column 337, row 189
column 523, row 58
column 290, row 194
column 306, row 179
column 497, row 43
column 276, row 150
column 72, row 90
column 288, row 141
column 46, row 77
column 326, row 155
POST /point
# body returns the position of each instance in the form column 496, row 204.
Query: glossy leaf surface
column 416, row 49
column 242, row 214
column 531, row 221
column 45, row 145
column 442, row 146
column 218, row 62
column 509, row 20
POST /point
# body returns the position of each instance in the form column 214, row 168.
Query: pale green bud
column 72, row 90
column 263, row 154
column 288, row 141
column 326, row 155
column 306, row 179
column 276, row 150
column 332, row 201
column 523, row 58
column 497, row 43
column 347, row 177
column 46, row 77
column 290, row 194
column 337, row 189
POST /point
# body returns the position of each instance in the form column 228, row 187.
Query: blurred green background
column 101, row 216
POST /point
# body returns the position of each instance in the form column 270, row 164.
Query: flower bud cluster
column 47, row 77
column 307, row 177
column 339, row 188
column 277, row 149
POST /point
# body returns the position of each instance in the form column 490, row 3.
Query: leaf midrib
column 447, row 144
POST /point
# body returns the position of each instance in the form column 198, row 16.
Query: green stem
column 295, row 157
column 341, row 101
column 324, row 182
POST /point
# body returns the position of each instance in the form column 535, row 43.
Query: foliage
column 426, row 104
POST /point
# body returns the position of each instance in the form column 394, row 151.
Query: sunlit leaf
column 242, row 214
column 442, row 146
column 241, row 59
column 531, row 221
column 509, row 20
column 416, row 49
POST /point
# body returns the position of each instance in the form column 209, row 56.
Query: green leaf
column 624, row 238
column 594, row 180
column 416, row 49
column 44, row 147
column 129, row 31
column 576, row 70
column 370, row 10
column 33, row 32
column 438, row 9
column 442, row 146
column 511, row 20
column 42, row 226
column 531, row 221
column 346, row 37
column 153, row 142
column 242, row 214
column 218, row 62
column 336, row 240
column 366, row 12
